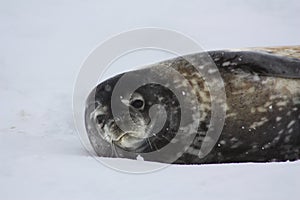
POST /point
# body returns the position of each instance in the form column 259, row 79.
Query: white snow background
column 42, row 45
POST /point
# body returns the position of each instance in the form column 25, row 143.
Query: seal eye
column 138, row 104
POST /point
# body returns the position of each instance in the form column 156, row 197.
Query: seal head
column 103, row 126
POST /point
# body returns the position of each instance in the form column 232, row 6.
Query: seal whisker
column 148, row 141
column 114, row 149
column 169, row 140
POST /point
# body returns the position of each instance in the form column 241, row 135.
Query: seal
column 262, row 122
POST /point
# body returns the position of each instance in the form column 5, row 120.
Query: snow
column 43, row 44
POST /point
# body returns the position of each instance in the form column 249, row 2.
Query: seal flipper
column 260, row 63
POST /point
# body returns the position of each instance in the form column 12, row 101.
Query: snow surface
column 43, row 44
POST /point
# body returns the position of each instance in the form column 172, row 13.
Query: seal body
column 262, row 121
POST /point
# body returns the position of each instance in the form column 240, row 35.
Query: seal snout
column 107, row 127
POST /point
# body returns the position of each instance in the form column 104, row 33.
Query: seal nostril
column 137, row 103
column 100, row 119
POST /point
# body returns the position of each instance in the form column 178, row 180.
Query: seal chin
column 128, row 141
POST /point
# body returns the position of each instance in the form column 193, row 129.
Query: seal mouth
column 107, row 127
column 129, row 141
column 130, row 134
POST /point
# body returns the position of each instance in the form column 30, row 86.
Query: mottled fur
column 262, row 121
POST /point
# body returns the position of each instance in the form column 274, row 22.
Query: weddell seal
column 262, row 122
